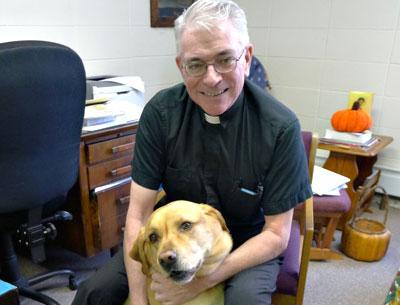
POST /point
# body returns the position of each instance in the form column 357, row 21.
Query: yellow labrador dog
column 184, row 240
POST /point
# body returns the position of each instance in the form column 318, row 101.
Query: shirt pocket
column 181, row 184
column 241, row 203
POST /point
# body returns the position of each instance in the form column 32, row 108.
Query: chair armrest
column 307, row 232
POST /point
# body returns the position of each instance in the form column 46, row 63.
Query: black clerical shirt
column 250, row 164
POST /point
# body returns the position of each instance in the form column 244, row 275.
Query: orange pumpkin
column 351, row 120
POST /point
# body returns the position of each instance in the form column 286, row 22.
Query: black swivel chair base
column 10, row 271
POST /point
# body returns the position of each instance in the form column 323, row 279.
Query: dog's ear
column 213, row 212
column 138, row 252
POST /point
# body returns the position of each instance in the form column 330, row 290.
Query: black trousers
column 109, row 285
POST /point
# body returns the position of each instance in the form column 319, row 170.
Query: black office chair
column 42, row 98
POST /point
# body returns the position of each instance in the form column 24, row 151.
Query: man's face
column 214, row 92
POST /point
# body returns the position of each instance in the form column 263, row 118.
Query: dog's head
column 182, row 239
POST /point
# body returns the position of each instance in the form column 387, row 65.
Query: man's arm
column 270, row 243
column 142, row 202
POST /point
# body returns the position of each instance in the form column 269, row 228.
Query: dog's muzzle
column 169, row 262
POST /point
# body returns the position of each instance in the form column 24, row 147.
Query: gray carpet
column 351, row 282
column 344, row 282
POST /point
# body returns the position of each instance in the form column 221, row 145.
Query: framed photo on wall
column 164, row 12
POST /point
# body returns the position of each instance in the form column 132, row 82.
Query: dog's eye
column 186, row 226
column 153, row 237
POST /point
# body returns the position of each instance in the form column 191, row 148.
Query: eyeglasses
column 222, row 64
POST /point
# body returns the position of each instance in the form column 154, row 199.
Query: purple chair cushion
column 289, row 274
column 338, row 204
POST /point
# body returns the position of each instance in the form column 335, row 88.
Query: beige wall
column 315, row 51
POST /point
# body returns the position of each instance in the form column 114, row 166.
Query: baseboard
column 390, row 179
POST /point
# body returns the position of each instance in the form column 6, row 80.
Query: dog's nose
column 167, row 259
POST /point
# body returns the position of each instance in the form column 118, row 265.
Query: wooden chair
column 328, row 210
column 293, row 274
column 292, row 277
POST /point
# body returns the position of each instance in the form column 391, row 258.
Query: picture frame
column 164, row 12
column 366, row 98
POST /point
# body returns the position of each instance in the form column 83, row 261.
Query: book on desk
column 363, row 140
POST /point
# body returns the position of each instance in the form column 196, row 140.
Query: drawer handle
column 121, row 171
column 123, row 147
column 123, row 200
column 123, row 229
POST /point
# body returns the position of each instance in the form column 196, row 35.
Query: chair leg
column 325, row 237
column 37, row 296
column 72, row 282
column 9, row 261
column 320, row 254
column 329, row 232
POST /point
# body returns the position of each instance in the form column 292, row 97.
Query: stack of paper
column 127, row 86
column 116, row 101
column 116, row 112
column 351, row 137
column 100, row 114
column 326, row 182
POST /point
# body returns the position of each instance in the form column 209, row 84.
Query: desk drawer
column 109, row 171
column 110, row 233
column 114, row 148
column 110, row 211
column 113, row 202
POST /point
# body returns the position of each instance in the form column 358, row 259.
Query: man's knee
column 252, row 286
column 108, row 286
column 248, row 294
column 91, row 292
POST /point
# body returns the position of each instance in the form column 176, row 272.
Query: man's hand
column 169, row 292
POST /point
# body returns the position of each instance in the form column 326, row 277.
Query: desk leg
column 346, row 165
column 365, row 165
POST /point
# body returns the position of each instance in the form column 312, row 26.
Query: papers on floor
column 326, row 182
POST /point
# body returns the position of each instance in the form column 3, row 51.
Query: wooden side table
column 355, row 163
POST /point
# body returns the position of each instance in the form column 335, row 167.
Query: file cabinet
column 100, row 199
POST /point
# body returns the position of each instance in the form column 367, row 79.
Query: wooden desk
column 354, row 163
column 99, row 200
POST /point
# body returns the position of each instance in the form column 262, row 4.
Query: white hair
column 208, row 14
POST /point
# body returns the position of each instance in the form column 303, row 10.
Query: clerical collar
column 212, row 119
column 224, row 118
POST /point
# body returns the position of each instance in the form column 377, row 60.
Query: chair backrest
column 292, row 277
column 310, row 141
column 42, row 99
column 258, row 74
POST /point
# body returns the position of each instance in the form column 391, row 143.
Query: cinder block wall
column 315, row 51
